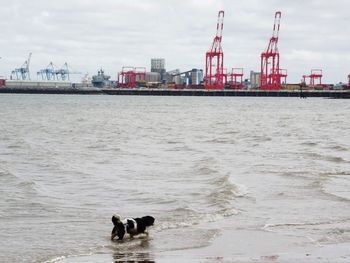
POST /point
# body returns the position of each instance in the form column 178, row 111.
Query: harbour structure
column 193, row 78
column 158, row 66
column 196, row 77
column 234, row 79
column 130, row 77
column 214, row 59
column 315, row 76
column 37, row 85
column 22, row 73
column 254, row 79
column 86, row 80
column 153, row 77
column 63, row 73
column 172, row 77
column 271, row 73
column 47, row 73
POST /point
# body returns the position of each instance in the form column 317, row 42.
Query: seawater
column 68, row 163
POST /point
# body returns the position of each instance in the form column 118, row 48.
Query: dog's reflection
column 139, row 244
column 133, row 258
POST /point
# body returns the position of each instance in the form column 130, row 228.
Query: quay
column 338, row 94
column 230, row 93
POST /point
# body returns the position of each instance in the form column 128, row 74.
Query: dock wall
column 184, row 92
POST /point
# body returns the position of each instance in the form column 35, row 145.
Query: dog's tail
column 148, row 220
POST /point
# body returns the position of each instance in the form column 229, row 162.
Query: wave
column 306, row 224
column 337, row 174
column 221, row 141
column 329, row 158
column 6, row 174
column 261, row 138
column 338, row 148
column 337, row 187
column 205, row 170
column 309, row 144
column 225, row 190
column 186, row 217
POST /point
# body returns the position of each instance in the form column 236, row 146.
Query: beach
column 227, row 179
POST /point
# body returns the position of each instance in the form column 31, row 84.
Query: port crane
column 129, row 76
column 63, row 74
column 47, row 73
column 214, row 63
column 316, row 74
column 271, row 73
column 22, row 73
column 234, row 79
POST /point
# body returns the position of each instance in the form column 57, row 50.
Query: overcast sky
column 89, row 34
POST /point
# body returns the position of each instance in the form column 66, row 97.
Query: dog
column 131, row 226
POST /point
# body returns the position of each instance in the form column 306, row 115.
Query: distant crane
column 316, row 74
column 64, row 73
column 129, row 76
column 271, row 74
column 214, row 65
column 22, row 73
column 234, row 79
column 47, row 73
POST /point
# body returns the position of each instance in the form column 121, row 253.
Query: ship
column 101, row 80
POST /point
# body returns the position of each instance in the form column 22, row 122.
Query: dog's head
column 148, row 220
column 116, row 219
column 118, row 229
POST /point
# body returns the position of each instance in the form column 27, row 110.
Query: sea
column 201, row 166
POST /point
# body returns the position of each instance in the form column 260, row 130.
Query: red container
column 2, row 82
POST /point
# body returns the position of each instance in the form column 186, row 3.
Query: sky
column 109, row 34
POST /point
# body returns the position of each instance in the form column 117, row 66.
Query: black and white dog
column 131, row 226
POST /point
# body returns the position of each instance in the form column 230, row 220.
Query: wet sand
column 230, row 245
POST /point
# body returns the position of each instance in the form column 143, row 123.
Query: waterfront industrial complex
column 214, row 80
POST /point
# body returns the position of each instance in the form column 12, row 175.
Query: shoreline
column 258, row 247
column 336, row 94
column 232, row 245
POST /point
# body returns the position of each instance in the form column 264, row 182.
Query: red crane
column 271, row 74
column 235, row 78
column 214, row 67
column 316, row 74
column 129, row 76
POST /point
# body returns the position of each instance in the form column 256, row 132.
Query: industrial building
column 254, row 80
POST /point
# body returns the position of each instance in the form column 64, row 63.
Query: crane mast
column 271, row 73
column 214, row 66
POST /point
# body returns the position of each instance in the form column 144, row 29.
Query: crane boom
column 272, row 47
column 28, row 61
column 216, row 46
